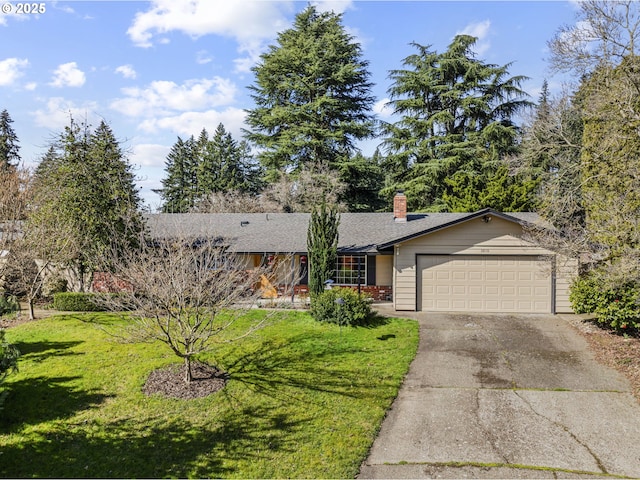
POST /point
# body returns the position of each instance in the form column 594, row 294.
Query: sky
column 156, row 70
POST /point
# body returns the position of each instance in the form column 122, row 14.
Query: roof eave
column 471, row 216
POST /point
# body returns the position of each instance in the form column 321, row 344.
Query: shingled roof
column 287, row 232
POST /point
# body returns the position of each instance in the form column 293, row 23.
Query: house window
column 351, row 270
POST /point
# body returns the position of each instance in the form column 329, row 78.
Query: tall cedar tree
column 322, row 246
column 455, row 128
column 9, row 143
column 86, row 202
column 312, row 97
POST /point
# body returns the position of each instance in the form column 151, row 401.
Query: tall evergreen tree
column 610, row 161
column 322, row 246
column 86, row 203
column 363, row 178
column 9, row 143
column 312, row 96
column 197, row 168
column 180, row 187
column 226, row 165
column 456, row 124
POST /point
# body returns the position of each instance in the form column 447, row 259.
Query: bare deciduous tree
column 605, row 32
column 309, row 188
column 14, row 200
column 185, row 292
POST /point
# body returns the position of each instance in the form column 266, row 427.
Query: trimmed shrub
column 8, row 305
column 76, row 302
column 356, row 309
column 615, row 308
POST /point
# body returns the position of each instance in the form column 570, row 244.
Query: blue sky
column 160, row 69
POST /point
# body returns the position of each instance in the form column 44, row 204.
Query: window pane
column 348, row 267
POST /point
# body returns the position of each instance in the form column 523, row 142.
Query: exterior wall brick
column 104, row 282
column 379, row 293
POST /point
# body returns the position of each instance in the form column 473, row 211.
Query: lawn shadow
column 154, row 448
column 39, row 351
column 375, row 320
column 35, row 400
column 276, row 364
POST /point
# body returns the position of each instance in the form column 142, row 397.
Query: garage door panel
column 492, row 276
column 491, row 290
column 460, row 275
column 484, row 283
column 475, row 290
column 510, row 290
column 475, row 276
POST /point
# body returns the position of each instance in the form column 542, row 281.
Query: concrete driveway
column 507, row 396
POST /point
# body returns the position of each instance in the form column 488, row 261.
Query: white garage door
column 461, row 283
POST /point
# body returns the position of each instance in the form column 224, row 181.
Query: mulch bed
column 169, row 381
column 613, row 350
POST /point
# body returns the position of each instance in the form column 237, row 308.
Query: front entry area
column 484, row 283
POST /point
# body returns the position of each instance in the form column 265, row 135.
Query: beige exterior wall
column 566, row 272
column 473, row 237
column 384, row 270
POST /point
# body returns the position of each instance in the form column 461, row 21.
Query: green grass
column 304, row 400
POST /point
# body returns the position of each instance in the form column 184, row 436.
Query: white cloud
column 11, row 70
column 31, row 86
column 252, row 24
column 68, row 75
column 480, row 30
column 161, row 98
column 192, row 123
column 55, row 115
column 127, row 71
column 382, row 109
column 240, row 20
column 203, row 57
column 149, row 154
column 335, row 6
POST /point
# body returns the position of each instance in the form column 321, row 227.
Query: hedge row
column 77, row 302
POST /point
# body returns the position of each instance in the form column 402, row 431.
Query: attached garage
column 484, row 283
column 480, row 262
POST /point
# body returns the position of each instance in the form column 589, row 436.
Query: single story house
column 445, row 262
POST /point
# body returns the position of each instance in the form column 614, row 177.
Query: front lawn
column 304, row 400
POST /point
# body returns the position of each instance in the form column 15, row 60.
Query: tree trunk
column 187, row 370
column 32, row 315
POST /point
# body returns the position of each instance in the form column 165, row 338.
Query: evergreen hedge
column 77, row 302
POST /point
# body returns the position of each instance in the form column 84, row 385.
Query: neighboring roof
column 287, row 232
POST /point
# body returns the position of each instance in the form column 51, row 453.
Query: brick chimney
column 400, row 207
